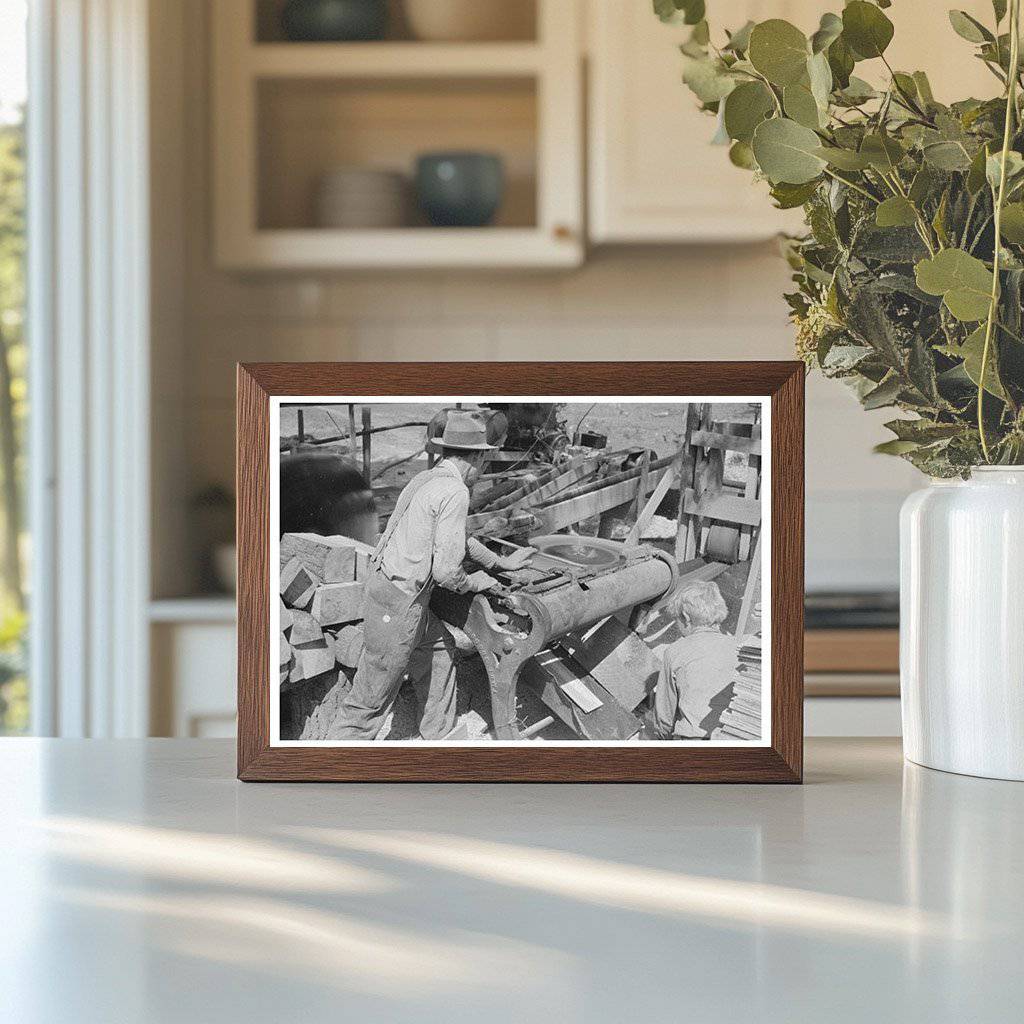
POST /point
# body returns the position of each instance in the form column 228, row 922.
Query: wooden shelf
column 284, row 114
column 318, row 248
column 852, row 650
column 393, row 60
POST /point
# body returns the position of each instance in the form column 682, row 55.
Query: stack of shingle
column 321, row 605
column 741, row 720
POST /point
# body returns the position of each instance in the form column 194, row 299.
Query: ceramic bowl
column 359, row 197
column 460, row 189
column 471, row 20
column 332, row 21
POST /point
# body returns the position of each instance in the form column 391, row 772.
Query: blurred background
column 367, row 180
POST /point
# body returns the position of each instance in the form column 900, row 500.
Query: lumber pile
column 741, row 720
column 321, row 607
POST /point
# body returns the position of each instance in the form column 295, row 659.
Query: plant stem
column 1011, row 108
column 853, row 185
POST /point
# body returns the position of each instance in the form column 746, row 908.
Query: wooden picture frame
column 778, row 759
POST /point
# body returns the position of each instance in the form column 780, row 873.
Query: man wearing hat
column 423, row 546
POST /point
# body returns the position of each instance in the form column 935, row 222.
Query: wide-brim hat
column 465, row 431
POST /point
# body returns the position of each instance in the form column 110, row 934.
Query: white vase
column 962, row 624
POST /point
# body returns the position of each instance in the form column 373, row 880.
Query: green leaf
column 963, row 281
column 707, row 78
column 693, row 10
column 739, row 41
column 844, row 159
column 895, row 447
column 922, row 185
column 741, row 155
column 1012, row 223
column 701, row 34
column 882, row 151
column 923, row 431
column 939, row 220
column 885, row 394
column 969, row 28
column 788, row 197
column 976, row 174
column 819, row 74
column 895, row 212
column 857, row 91
column 947, row 156
column 787, row 151
column 801, row 106
column 841, row 63
column 690, row 12
column 971, row 351
column 666, row 10
column 924, row 88
column 905, row 84
column 999, row 9
column 779, row 51
column 745, row 108
column 993, row 167
column 866, row 29
column 829, row 30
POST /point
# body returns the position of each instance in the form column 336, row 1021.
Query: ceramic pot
column 460, row 189
column 332, row 21
column 471, row 20
column 962, row 624
column 358, row 197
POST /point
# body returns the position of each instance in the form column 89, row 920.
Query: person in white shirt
column 423, row 546
column 698, row 669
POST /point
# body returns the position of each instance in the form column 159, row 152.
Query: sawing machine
column 570, row 583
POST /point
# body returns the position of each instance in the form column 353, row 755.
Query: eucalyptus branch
column 1011, row 109
column 909, row 100
column 852, row 184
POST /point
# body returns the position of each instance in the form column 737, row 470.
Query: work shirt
column 695, row 670
column 429, row 542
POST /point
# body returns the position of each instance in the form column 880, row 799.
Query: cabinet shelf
column 415, row 247
column 393, row 60
column 287, row 114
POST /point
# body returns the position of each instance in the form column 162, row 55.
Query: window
column 14, row 693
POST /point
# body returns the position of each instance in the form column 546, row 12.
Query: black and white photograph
column 520, row 570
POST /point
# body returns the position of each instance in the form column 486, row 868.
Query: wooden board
column 550, row 671
column 567, row 513
column 617, row 658
column 725, row 442
column 852, row 650
column 727, row 508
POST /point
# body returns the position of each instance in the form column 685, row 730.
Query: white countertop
column 140, row 882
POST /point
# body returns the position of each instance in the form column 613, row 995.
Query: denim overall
column 400, row 634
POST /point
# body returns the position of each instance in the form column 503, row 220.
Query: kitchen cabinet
column 287, row 114
column 653, row 175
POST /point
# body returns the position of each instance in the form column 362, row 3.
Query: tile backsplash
column 719, row 302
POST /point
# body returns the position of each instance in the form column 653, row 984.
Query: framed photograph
column 520, row 571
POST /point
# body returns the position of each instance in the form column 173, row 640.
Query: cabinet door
column 654, row 177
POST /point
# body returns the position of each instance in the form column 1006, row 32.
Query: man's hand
column 516, row 560
column 480, row 582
